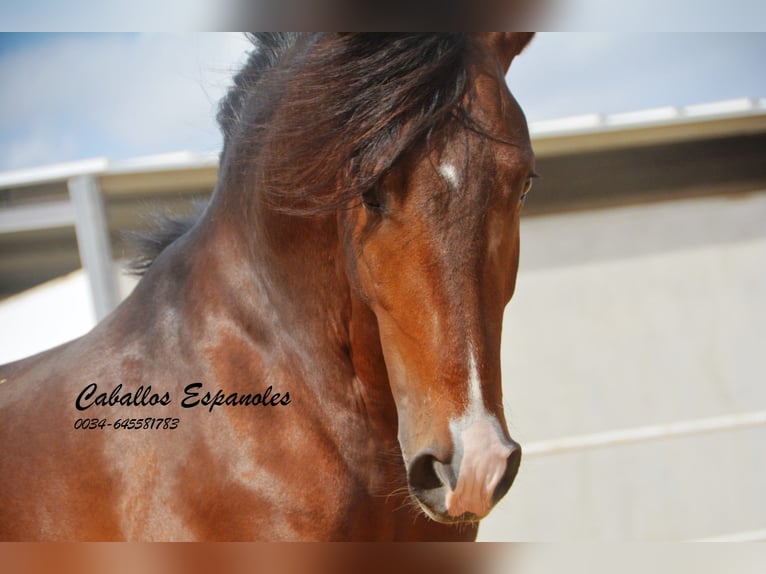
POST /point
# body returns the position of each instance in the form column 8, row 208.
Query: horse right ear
column 507, row 45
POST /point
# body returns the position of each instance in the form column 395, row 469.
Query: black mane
column 319, row 119
column 268, row 48
column 328, row 121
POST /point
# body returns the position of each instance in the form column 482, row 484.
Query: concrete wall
column 627, row 317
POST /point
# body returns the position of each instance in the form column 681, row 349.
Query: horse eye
column 372, row 201
column 527, row 188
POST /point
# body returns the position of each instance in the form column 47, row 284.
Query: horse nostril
column 426, row 472
column 511, row 469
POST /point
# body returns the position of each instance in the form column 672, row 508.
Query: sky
column 65, row 96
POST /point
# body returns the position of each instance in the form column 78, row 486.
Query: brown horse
column 317, row 356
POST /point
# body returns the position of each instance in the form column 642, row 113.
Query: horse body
column 368, row 334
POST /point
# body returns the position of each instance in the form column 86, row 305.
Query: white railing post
column 93, row 242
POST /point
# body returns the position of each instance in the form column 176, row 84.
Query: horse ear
column 507, row 45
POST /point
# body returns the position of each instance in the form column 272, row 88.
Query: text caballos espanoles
column 193, row 396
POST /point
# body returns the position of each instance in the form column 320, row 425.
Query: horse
column 316, row 354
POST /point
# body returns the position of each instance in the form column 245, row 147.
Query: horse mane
column 321, row 118
column 163, row 231
column 348, row 107
column 268, row 48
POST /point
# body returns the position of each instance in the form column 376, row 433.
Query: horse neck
column 276, row 270
column 286, row 281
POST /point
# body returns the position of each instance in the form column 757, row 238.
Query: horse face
column 433, row 251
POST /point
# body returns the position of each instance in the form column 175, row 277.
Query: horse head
column 433, row 251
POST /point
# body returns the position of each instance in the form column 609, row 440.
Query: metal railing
column 621, row 437
column 645, row 433
column 84, row 211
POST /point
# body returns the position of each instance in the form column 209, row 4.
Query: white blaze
column 484, row 453
column 475, row 400
column 449, row 172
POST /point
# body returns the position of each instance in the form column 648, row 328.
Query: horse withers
column 317, row 355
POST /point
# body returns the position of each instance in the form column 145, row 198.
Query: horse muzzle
column 464, row 485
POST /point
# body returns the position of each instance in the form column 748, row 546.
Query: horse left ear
column 507, row 45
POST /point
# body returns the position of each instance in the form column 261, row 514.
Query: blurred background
column 633, row 348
